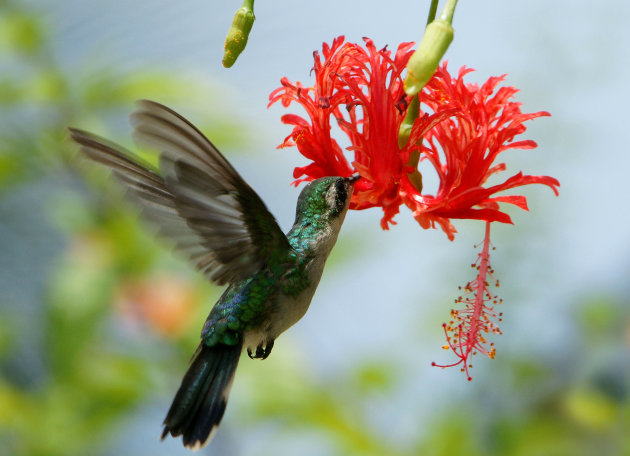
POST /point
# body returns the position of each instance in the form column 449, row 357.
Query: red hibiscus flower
column 360, row 89
column 460, row 131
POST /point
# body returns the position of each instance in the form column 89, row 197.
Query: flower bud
column 239, row 32
column 423, row 63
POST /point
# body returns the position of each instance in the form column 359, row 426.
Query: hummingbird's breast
column 262, row 307
column 295, row 292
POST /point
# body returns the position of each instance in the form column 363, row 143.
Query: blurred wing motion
column 198, row 200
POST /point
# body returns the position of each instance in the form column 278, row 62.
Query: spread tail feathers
column 201, row 399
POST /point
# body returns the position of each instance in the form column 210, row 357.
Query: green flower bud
column 423, row 63
column 239, row 33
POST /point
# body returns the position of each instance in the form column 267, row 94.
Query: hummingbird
column 197, row 200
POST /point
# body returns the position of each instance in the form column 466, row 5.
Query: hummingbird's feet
column 261, row 353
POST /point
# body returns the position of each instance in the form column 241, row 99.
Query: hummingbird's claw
column 267, row 350
column 261, row 352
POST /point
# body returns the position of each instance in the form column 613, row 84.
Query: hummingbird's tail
column 201, row 399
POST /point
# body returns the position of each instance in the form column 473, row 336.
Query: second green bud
column 423, row 63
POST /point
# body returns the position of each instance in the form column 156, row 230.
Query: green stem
column 432, row 11
column 413, row 111
column 448, row 11
column 249, row 4
column 410, row 117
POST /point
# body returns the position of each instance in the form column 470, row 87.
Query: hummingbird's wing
column 198, row 200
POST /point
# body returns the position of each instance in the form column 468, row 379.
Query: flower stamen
column 465, row 332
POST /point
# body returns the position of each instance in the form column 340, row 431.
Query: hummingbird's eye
column 340, row 190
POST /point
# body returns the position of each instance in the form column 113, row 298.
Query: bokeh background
column 98, row 319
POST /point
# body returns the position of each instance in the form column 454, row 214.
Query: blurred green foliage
column 527, row 407
column 88, row 381
column 97, row 348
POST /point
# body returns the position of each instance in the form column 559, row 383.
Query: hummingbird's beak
column 353, row 179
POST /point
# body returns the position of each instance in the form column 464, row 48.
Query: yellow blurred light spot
column 591, row 408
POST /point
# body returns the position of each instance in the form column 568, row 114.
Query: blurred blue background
column 98, row 319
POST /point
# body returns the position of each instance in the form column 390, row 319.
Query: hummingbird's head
column 324, row 202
